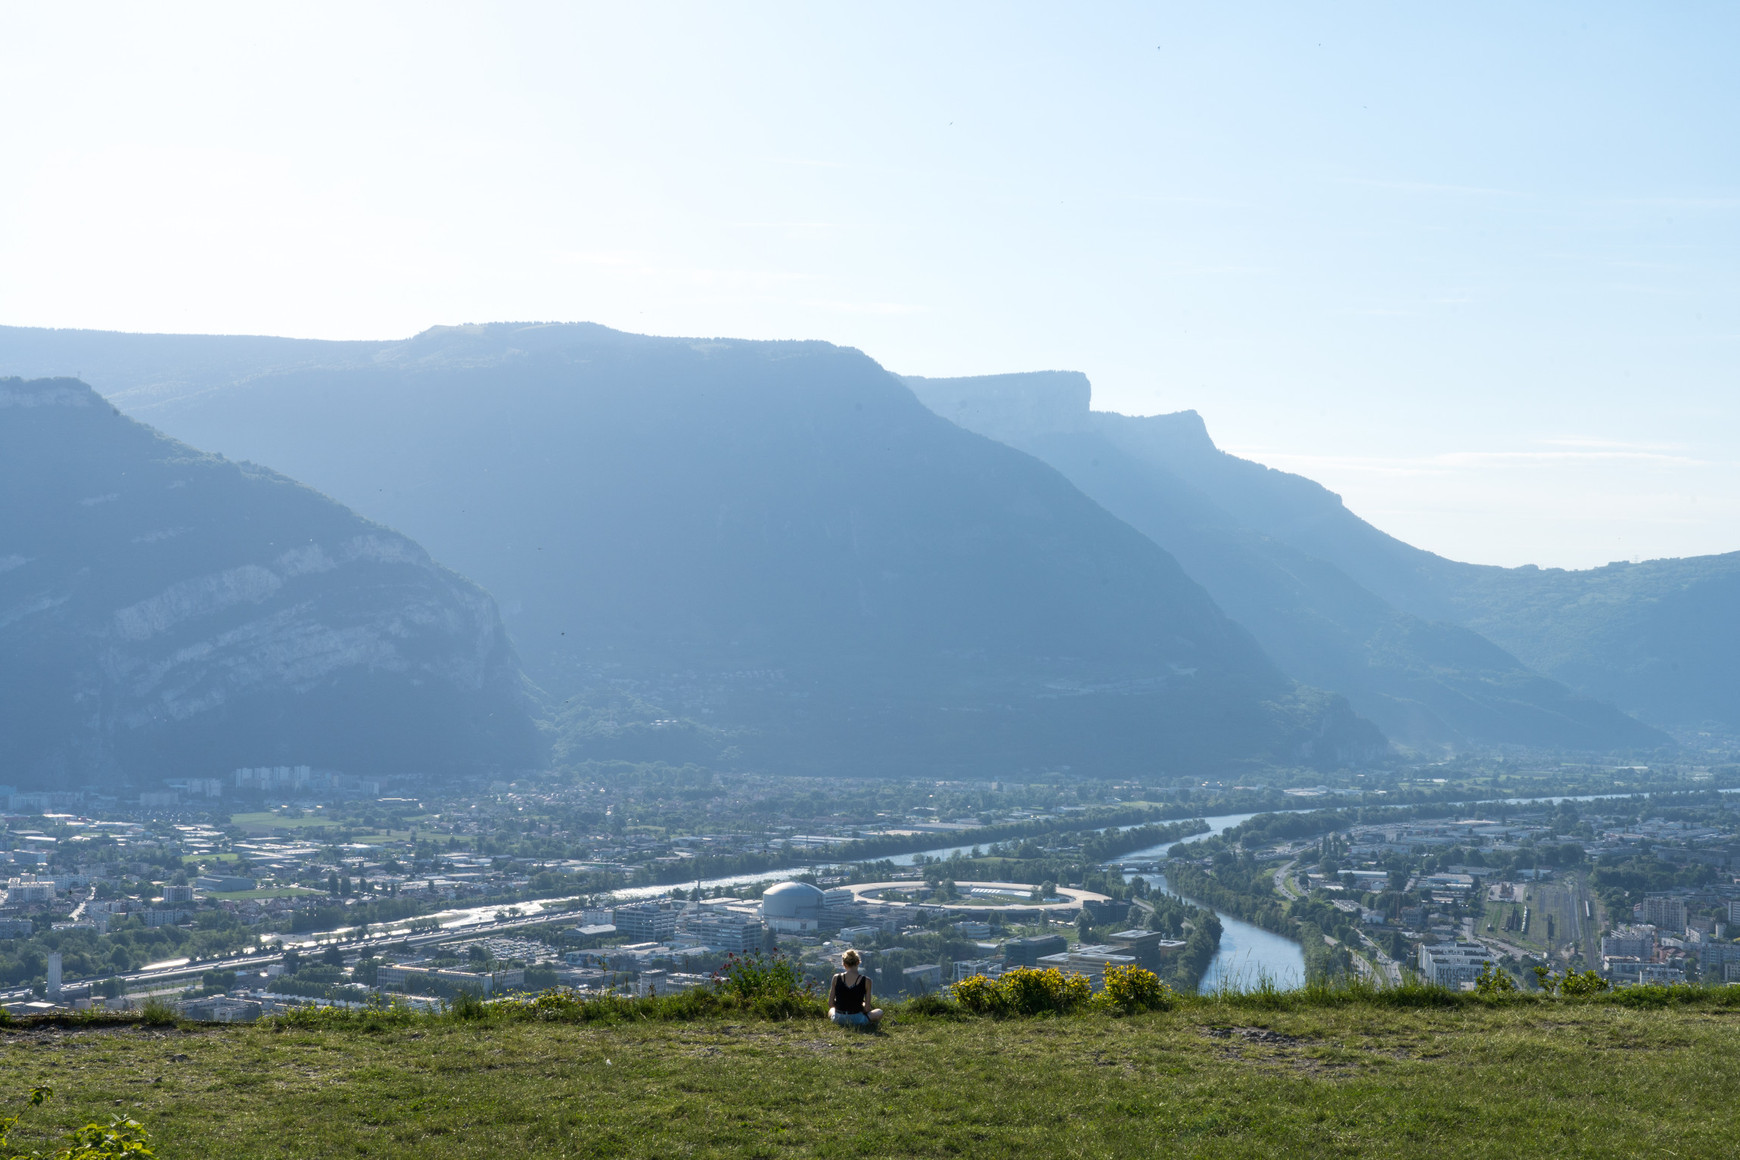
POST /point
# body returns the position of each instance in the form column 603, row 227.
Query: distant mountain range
column 772, row 554
column 167, row 613
column 1432, row 649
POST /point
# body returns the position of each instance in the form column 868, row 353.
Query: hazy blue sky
column 1474, row 267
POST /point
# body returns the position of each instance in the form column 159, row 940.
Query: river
column 1247, row 953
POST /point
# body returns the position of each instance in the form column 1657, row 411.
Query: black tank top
column 850, row 1000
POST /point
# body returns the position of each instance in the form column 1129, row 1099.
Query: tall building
column 1665, row 912
column 653, row 921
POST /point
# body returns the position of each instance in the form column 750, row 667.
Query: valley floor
column 1558, row 1079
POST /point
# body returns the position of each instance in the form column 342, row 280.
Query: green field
column 1209, row 1079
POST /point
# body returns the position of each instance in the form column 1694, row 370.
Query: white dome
column 792, row 900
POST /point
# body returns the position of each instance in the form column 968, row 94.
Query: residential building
column 1620, row 970
column 29, row 889
column 1719, row 962
column 1665, row 912
column 1634, row 942
column 1453, row 964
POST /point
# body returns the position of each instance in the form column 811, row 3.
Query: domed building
column 792, row 907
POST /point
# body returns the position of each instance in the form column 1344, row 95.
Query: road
column 1284, row 887
column 141, row 980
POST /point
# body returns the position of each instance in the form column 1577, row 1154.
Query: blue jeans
column 851, row 1019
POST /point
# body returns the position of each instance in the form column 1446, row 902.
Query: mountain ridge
column 1245, row 531
column 704, row 523
column 166, row 611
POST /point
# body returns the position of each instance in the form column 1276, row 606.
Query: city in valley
column 285, row 887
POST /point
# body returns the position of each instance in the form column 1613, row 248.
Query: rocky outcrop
column 167, row 613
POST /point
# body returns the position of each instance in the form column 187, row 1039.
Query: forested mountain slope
column 1244, row 532
column 778, row 541
column 165, row 612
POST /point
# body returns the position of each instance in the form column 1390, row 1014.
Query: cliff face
column 1269, row 547
column 774, row 540
column 165, row 612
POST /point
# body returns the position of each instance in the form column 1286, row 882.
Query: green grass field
column 1209, row 1079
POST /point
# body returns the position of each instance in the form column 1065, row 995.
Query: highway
column 142, row 980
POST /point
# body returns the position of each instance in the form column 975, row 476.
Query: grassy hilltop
column 1288, row 1076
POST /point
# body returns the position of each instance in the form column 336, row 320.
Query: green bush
column 1132, row 989
column 467, row 1006
column 1494, row 982
column 755, row 976
column 121, row 1137
column 932, row 1005
column 1577, row 985
column 157, row 1013
column 1024, row 991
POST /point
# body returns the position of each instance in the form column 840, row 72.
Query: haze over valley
column 781, row 555
column 943, row 581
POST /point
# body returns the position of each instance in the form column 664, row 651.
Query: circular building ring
column 976, row 897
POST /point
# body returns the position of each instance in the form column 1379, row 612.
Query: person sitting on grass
column 849, row 996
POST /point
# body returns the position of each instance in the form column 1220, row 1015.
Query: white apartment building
column 29, row 889
column 1629, row 942
column 1453, row 964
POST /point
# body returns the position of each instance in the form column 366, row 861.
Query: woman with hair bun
column 849, row 995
